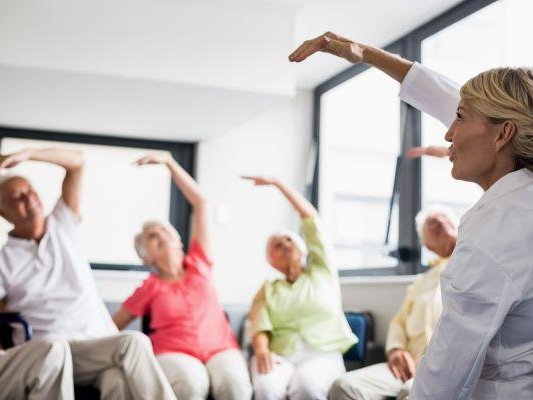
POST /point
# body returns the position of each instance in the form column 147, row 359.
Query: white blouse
column 482, row 347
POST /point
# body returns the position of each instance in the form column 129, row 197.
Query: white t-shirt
column 50, row 283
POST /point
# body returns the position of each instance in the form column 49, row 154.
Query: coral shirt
column 186, row 316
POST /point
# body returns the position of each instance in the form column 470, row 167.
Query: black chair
column 7, row 320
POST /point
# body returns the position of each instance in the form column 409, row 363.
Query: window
column 357, row 129
column 460, row 52
column 117, row 197
column 359, row 145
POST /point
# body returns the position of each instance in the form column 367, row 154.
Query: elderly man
column 44, row 275
column 411, row 328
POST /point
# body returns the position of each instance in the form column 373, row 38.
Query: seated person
column 411, row 328
column 191, row 335
column 45, row 277
column 299, row 328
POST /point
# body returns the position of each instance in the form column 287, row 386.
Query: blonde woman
column 299, row 328
column 482, row 347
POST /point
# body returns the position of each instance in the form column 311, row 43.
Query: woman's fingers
column 264, row 363
column 415, row 152
column 268, row 363
column 330, row 43
column 395, row 371
column 308, row 48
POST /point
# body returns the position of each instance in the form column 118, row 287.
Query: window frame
column 410, row 185
column 183, row 152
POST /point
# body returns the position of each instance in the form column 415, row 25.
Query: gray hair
column 138, row 240
column 296, row 239
column 425, row 213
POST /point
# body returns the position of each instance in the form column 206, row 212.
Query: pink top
column 185, row 316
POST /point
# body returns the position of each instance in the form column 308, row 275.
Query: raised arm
column 421, row 87
column 192, row 193
column 71, row 160
column 433, row 151
column 300, row 204
column 394, row 66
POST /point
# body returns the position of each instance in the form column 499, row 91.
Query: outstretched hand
column 330, row 43
column 152, row 159
column 260, row 180
column 433, row 151
column 13, row 159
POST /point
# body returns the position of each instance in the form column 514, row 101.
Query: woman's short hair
column 506, row 94
column 295, row 238
column 138, row 240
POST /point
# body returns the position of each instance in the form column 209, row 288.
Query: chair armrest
column 8, row 318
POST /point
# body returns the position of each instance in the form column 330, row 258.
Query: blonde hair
column 506, row 94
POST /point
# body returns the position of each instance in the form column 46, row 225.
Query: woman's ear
column 505, row 134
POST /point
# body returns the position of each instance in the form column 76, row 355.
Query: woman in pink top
column 191, row 336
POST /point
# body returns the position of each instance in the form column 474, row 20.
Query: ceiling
column 174, row 69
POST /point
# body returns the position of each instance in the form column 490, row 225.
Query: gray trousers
column 121, row 366
column 375, row 382
column 37, row 370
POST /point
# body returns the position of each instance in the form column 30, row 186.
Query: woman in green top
column 299, row 328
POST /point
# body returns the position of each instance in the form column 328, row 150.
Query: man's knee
column 343, row 390
column 52, row 352
column 112, row 384
column 135, row 340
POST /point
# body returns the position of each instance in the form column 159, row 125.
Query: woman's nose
column 449, row 135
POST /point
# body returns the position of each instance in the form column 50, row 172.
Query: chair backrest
column 361, row 324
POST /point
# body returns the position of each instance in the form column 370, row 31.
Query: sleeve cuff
column 408, row 81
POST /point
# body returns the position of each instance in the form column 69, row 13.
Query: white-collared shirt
column 482, row 347
column 50, row 283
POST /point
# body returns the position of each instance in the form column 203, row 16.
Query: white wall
column 274, row 143
column 380, row 295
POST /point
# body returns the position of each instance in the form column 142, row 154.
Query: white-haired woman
column 299, row 328
column 190, row 334
column 482, row 347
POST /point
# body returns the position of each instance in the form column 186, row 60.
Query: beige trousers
column 375, row 382
column 37, row 370
column 121, row 366
column 226, row 373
